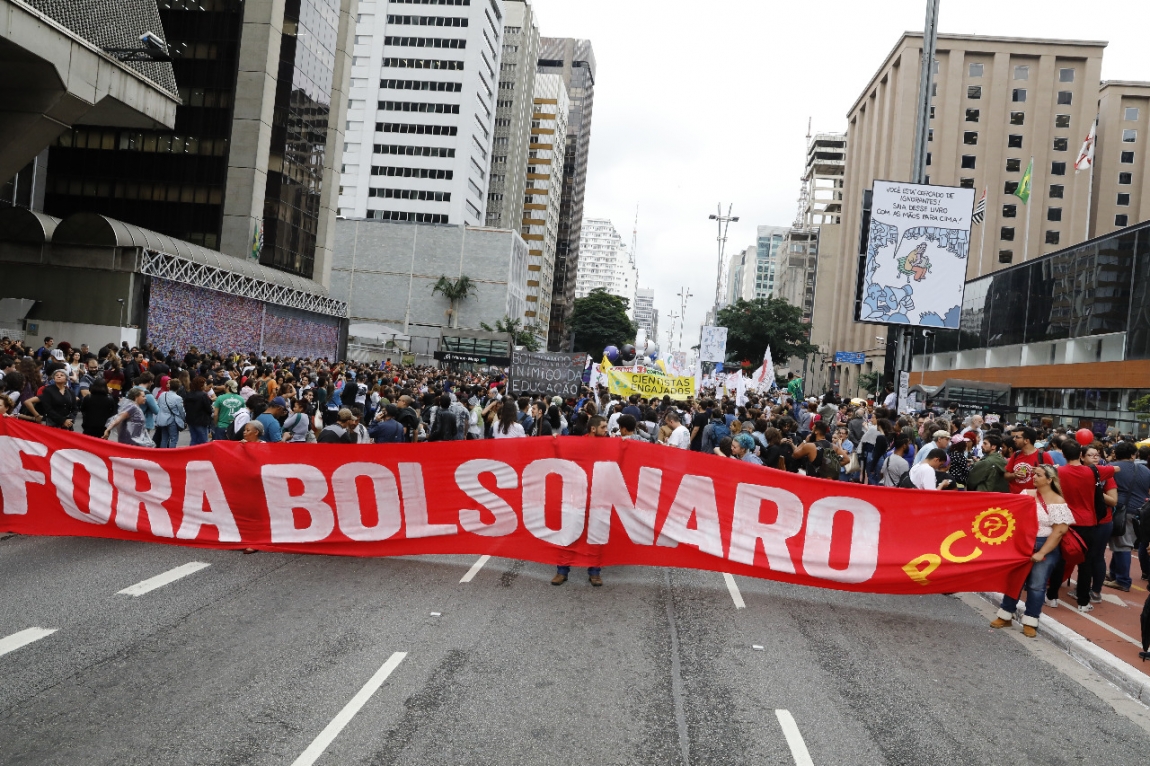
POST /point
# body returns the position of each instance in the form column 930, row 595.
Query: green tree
column 754, row 325
column 600, row 320
column 869, row 382
column 454, row 291
column 523, row 336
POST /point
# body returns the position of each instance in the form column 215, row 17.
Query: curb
column 1102, row 662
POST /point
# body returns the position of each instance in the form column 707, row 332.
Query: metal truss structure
column 159, row 264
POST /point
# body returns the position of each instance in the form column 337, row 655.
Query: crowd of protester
column 150, row 397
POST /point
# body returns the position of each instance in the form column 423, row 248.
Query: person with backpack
column 297, row 427
column 715, row 432
column 224, row 409
column 817, row 456
column 444, row 425
column 988, row 474
column 171, row 418
column 1133, row 492
column 895, row 469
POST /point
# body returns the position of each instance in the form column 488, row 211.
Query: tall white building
column 421, row 110
column 604, row 262
column 543, row 195
column 646, row 315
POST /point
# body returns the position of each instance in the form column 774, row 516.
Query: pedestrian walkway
column 1114, row 625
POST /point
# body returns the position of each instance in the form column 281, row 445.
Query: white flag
column 1085, row 159
column 765, row 376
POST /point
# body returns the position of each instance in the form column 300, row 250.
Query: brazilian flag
column 1023, row 190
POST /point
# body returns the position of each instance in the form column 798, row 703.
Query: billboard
column 916, row 254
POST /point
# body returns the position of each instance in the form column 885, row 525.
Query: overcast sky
column 697, row 103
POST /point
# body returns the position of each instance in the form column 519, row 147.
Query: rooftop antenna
column 804, row 192
column 635, row 238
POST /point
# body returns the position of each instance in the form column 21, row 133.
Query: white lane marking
column 794, row 738
column 332, row 730
column 733, row 589
column 23, row 638
column 475, row 569
column 1096, row 621
column 1113, row 600
column 161, row 580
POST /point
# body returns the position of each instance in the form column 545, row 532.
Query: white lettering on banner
column 863, row 552
column 747, row 529
column 14, row 476
column 202, row 485
column 695, row 499
column 609, row 492
column 349, row 510
column 282, row 504
column 467, row 479
column 574, row 500
column 415, row 505
column 130, row 498
column 98, row 503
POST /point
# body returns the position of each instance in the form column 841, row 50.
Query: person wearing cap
column 941, row 441
column 342, row 431
column 277, row 408
column 386, row 428
column 224, row 409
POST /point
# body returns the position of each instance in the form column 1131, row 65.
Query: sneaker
column 1029, row 631
column 1114, row 584
column 596, row 581
column 1051, row 603
column 1087, row 608
column 1095, row 598
column 559, row 579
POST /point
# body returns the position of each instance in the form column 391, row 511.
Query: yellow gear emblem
column 994, row 526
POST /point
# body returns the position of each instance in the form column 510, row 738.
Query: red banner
column 577, row 501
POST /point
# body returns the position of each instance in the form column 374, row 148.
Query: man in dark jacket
column 989, row 473
column 444, row 424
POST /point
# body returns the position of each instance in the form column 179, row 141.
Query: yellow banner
column 649, row 386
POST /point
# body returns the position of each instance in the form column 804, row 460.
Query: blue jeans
column 591, row 571
column 199, row 434
column 1035, row 587
column 169, row 435
column 1120, row 568
column 219, row 434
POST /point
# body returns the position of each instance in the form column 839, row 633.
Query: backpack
column 1142, row 519
column 1100, row 508
column 828, row 468
column 235, row 430
column 720, row 429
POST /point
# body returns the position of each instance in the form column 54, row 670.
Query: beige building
column 1121, row 162
column 997, row 103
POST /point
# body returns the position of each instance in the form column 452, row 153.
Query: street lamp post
column 685, row 295
column 723, row 222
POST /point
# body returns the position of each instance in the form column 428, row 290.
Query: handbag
column 1072, row 547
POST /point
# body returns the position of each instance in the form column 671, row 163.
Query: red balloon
column 1084, row 436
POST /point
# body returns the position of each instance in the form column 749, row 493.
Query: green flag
column 1023, row 190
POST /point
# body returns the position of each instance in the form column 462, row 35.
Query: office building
column 250, row 167
column 769, row 244
column 385, row 271
column 605, row 263
column 823, row 179
column 742, row 275
column 421, row 111
column 574, row 60
column 543, row 196
column 1121, row 194
column 646, row 315
column 1065, row 336
column 513, row 109
column 59, row 75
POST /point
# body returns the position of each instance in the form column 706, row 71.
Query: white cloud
column 701, row 102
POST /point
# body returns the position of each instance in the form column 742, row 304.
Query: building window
column 970, row 138
column 1132, row 113
column 1129, row 136
column 1065, row 75
column 1052, row 238
column 1014, row 141
column 930, row 135
column 972, row 115
column 1127, row 158
column 1062, row 120
column 1014, row 165
column 1124, row 199
column 1121, row 220
column 968, row 161
column 1010, row 187
column 1125, row 179
column 1065, row 97
column 1010, row 211
column 932, row 113
column 1007, row 234
column 1017, row 118
column 976, row 70
column 974, row 91
column 1054, row 214
column 966, row 183
column 1058, row 168
column 1061, row 144
column 928, row 158
column 1018, row 95
column 1022, row 73
column 1005, row 256
column 1056, row 191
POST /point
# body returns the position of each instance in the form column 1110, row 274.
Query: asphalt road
column 251, row 659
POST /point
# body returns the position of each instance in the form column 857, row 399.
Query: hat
column 231, row 386
column 57, row 353
column 557, row 401
column 279, row 401
column 940, row 435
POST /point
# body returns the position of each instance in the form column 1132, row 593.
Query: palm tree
column 454, row 292
column 522, row 336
